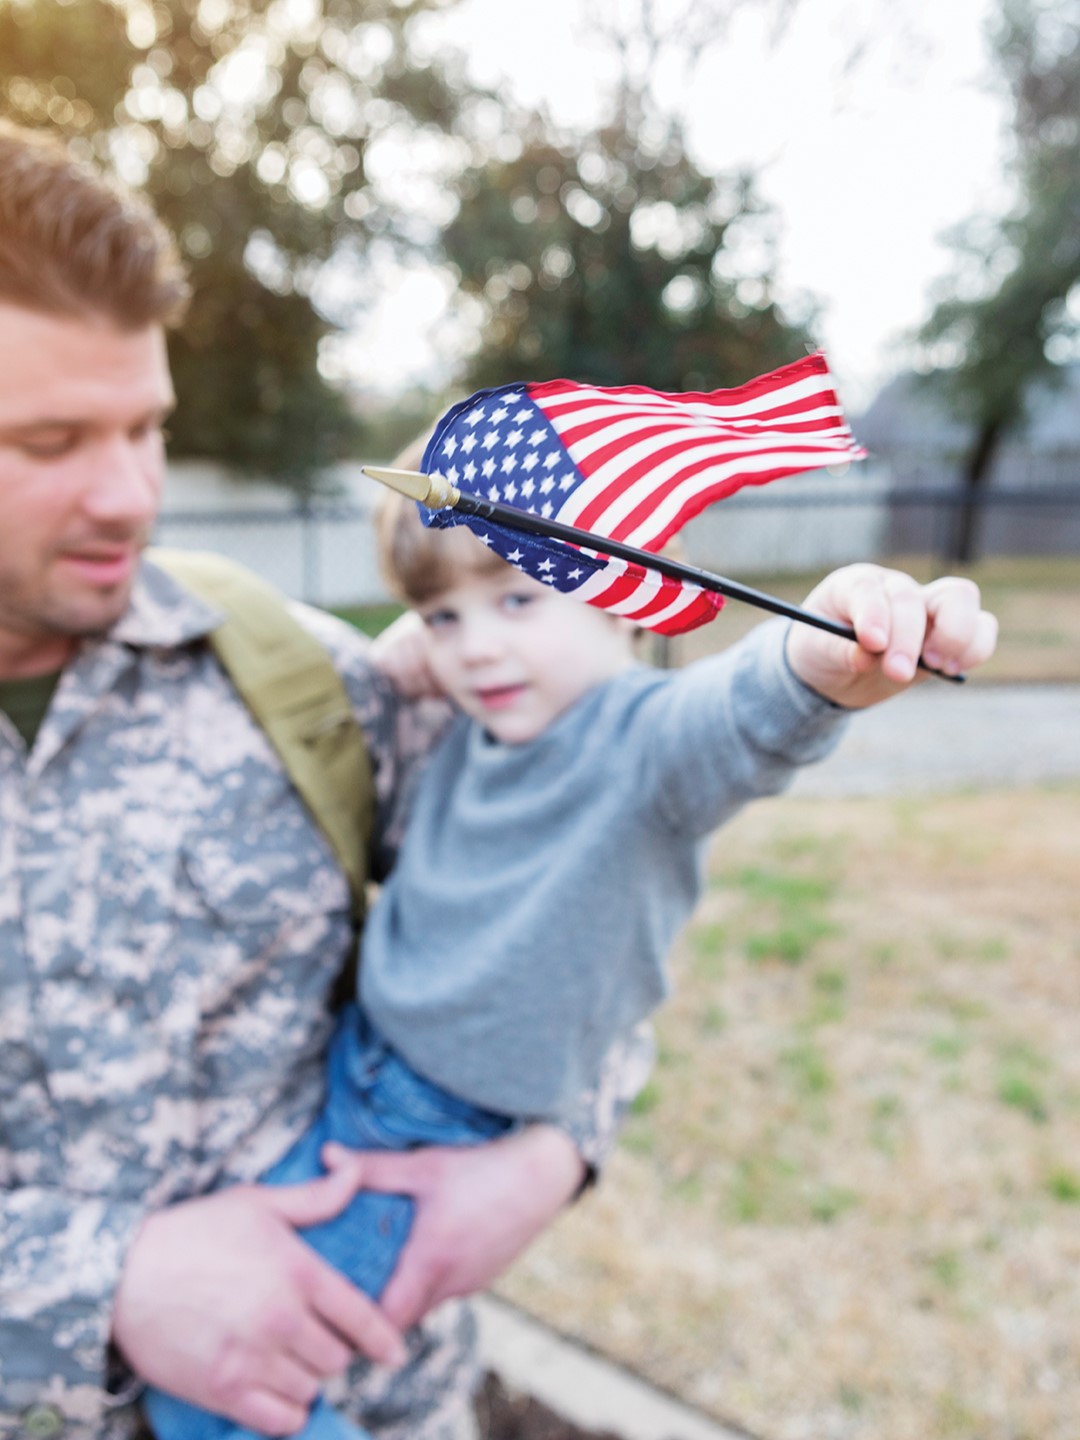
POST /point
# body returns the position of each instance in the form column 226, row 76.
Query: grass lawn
column 848, row 1203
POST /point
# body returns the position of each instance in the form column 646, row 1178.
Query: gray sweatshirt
column 539, row 887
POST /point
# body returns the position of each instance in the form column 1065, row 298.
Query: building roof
column 911, row 413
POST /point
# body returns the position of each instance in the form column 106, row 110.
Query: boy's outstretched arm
column 896, row 620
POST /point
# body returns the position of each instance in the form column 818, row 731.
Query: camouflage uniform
column 171, row 922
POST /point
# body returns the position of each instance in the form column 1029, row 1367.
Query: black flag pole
column 438, row 494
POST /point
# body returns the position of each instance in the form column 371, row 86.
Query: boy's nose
column 480, row 641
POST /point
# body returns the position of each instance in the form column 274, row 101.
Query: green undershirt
column 26, row 701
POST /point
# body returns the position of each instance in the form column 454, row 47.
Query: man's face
column 81, row 469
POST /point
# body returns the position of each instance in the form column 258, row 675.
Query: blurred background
column 386, row 205
column 848, row 1203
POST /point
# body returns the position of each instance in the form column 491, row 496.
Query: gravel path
column 945, row 737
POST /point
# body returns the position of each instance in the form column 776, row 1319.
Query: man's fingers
column 312, row 1201
column 355, row 1317
column 390, row 1172
column 318, row 1348
column 408, row 1296
column 269, row 1414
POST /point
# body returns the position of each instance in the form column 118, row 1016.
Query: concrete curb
column 583, row 1387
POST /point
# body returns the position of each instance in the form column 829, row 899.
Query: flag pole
column 438, row 494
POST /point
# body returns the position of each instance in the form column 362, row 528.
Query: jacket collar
column 162, row 613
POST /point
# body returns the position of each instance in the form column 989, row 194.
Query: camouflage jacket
column 171, row 923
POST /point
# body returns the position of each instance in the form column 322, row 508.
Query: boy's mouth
column 498, row 697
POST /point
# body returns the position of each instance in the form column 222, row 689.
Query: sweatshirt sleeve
column 731, row 728
column 62, row 1259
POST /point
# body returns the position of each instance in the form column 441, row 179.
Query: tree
column 251, row 125
column 1015, row 324
column 611, row 256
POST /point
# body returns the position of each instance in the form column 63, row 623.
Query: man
column 172, row 922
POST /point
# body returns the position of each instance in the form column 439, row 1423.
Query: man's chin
column 89, row 616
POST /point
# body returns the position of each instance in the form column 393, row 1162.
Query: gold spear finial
column 431, row 490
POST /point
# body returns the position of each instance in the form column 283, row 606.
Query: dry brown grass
column 1036, row 600
column 849, row 1203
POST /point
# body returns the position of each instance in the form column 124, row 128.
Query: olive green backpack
column 288, row 682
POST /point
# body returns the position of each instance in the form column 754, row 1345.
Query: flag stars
column 529, row 461
column 537, row 437
column 515, row 555
column 515, row 437
column 525, row 413
column 475, row 416
column 487, row 469
column 551, row 459
column 566, row 481
column 450, row 448
column 510, row 490
column 499, row 414
column 527, row 489
column 547, row 485
column 470, row 471
column 490, row 440
column 509, row 464
column 468, row 444
column 493, row 492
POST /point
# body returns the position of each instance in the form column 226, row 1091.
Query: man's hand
column 896, row 620
column 221, row 1304
column 477, row 1208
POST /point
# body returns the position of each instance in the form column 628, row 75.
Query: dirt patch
column 848, row 1204
column 502, row 1415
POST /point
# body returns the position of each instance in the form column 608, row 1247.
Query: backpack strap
column 288, row 682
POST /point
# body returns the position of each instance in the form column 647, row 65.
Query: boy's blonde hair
column 417, row 564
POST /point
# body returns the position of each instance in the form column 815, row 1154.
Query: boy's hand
column 401, row 653
column 896, row 620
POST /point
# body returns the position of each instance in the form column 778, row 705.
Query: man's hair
column 73, row 243
column 418, row 563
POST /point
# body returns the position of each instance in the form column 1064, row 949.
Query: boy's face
column 514, row 654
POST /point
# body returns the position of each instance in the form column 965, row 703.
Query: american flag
column 630, row 464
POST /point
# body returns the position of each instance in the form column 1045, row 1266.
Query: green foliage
column 997, row 338
column 610, row 259
column 249, row 127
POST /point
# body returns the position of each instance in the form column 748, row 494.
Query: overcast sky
column 872, row 124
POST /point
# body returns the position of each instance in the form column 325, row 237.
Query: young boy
column 554, row 849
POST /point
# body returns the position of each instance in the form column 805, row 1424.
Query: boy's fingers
column 961, row 633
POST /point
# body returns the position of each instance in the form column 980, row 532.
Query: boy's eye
column 515, row 600
column 438, row 619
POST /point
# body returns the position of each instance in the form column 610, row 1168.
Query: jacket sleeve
column 730, row 729
column 62, row 1257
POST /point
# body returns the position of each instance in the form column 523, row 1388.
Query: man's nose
column 125, row 486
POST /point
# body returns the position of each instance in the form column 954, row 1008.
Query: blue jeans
column 374, row 1101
